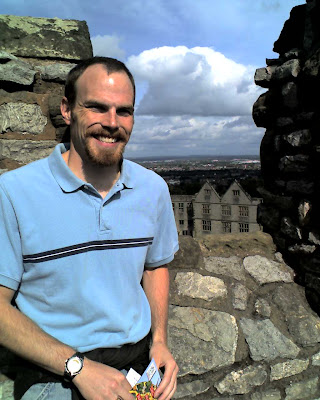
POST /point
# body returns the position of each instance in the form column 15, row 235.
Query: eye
column 125, row 112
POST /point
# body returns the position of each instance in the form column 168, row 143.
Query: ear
column 65, row 110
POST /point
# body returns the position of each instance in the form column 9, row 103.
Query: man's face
column 101, row 120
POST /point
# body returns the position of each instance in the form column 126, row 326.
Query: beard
column 100, row 156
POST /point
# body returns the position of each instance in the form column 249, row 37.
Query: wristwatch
column 73, row 366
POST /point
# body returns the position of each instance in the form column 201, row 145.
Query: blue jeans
column 47, row 391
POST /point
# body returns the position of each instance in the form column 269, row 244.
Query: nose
column 110, row 120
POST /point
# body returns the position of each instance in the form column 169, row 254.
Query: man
column 79, row 231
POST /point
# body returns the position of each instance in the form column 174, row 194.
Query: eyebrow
column 94, row 103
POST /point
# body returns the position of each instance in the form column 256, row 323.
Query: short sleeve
column 165, row 243
column 11, row 265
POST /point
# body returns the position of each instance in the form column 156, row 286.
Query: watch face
column 74, row 365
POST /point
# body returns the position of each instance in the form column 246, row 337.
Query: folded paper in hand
column 144, row 386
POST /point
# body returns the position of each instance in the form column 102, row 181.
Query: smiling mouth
column 105, row 139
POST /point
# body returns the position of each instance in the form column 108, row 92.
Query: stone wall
column 239, row 326
column 35, row 56
column 290, row 149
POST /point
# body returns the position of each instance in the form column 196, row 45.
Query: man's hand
column 163, row 358
column 98, row 381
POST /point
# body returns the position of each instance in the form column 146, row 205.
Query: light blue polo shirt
column 78, row 259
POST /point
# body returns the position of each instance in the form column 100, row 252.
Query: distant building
column 208, row 212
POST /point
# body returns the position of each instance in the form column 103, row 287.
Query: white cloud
column 195, row 81
column 181, row 135
column 107, row 46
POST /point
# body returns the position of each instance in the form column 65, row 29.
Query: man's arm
column 21, row 335
column 156, row 287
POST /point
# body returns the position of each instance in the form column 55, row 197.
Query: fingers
column 168, row 384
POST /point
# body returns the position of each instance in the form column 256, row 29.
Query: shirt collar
column 69, row 182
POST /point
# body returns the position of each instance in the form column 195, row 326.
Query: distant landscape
column 186, row 175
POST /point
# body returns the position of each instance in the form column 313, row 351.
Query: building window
column 236, row 193
column 181, row 206
column 243, row 227
column 243, row 211
column 206, row 225
column 181, row 222
column 184, row 233
column 207, row 192
column 226, row 227
column 206, row 208
column 226, row 210
column 173, row 206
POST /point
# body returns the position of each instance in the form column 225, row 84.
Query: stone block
column 271, row 394
column 191, row 389
column 287, row 71
column 302, row 390
column 17, row 72
column 266, row 342
column 197, row 286
column 299, row 138
column 189, row 254
column 288, row 368
column 289, row 94
column 227, row 266
column 262, row 76
column 51, row 38
column 298, row 163
column 242, row 381
column 201, row 340
column 56, row 72
column 25, row 151
column 22, row 118
column 265, row 271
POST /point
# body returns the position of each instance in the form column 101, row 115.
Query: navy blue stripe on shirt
column 85, row 247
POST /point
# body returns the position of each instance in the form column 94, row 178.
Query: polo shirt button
column 85, row 187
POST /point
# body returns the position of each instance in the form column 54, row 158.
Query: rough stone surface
column 56, row 72
column 302, row 390
column 262, row 308
column 195, row 285
column 242, row 381
column 288, row 368
column 240, row 296
column 266, row 271
column 231, row 266
column 191, row 389
column 265, row 341
column 202, row 340
column 305, row 329
column 17, row 71
column 272, row 394
column 30, row 120
column 45, row 37
column 25, row 151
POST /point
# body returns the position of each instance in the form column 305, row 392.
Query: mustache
column 116, row 134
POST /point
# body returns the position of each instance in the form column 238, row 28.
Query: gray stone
column 316, row 359
column 25, row 151
column 303, row 186
column 201, row 340
column 265, row 341
column 304, row 211
column 189, row 254
column 17, row 71
column 299, row 138
column 197, row 286
column 288, row 70
column 4, row 56
column 302, row 390
column 262, row 308
column 289, row 95
column 45, row 37
column 262, row 76
column 228, row 266
column 240, row 296
column 314, row 238
column 6, row 390
column 302, row 249
column 290, row 300
column 297, row 163
column 288, row 368
column 271, row 394
column 289, row 229
column 304, row 328
column 284, row 121
column 267, row 271
column 56, row 72
column 191, row 389
column 22, row 118
column 242, row 381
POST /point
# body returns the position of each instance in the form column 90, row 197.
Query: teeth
column 106, row 139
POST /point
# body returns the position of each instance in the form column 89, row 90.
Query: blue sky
column 193, row 60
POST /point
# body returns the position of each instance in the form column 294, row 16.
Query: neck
column 101, row 178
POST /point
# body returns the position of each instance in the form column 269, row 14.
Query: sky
column 193, row 62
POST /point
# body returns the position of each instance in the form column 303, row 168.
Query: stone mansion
column 207, row 212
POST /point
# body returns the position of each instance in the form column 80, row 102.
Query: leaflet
column 144, row 386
